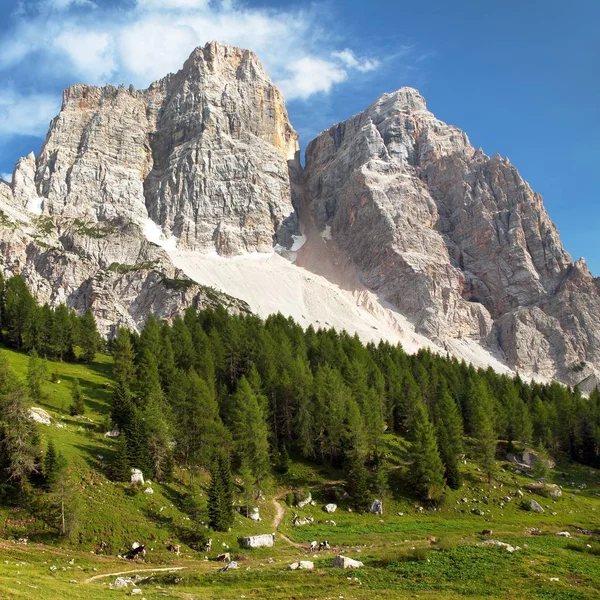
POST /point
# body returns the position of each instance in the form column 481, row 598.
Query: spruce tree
column 123, row 358
column 18, row 440
column 19, row 311
column 358, row 483
column 77, row 407
column 251, row 434
column 427, row 469
column 449, row 435
column 122, row 406
column 220, row 494
column 483, row 431
column 89, row 338
column 62, row 334
column 121, row 467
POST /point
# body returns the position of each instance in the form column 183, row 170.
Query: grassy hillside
column 399, row 561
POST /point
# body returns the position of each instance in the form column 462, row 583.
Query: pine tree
column 62, row 334
column 122, row 407
column 77, row 407
column 36, row 375
column 19, row 311
column 449, row 435
column 121, row 467
column 427, row 469
column 89, row 338
column 220, row 494
column 18, row 439
column 483, row 431
column 53, row 463
column 251, row 434
column 123, row 358
column 358, row 484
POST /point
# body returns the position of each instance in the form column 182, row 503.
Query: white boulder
column 343, row 562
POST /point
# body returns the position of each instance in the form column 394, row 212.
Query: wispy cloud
column 97, row 44
column 26, row 114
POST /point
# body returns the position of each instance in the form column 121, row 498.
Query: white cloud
column 26, row 114
column 348, row 58
column 90, row 52
column 139, row 42
column 310, row 75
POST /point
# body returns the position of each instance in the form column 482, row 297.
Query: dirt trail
column 103, row 575
column 278, row 519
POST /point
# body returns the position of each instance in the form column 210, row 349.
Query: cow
column 208, row 545
column 324, row 545
column 487, row 532
column 313, row 545
column 174, row 548
column 225, row 557
column 137, row 553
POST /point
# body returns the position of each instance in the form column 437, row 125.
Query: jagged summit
column 396, row 213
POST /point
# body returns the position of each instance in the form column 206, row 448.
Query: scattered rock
column 136, row 592
column 265, row 540
column 121, row 583
column 148, row 490
column 39, row 415
column 533, row 506
column 232, row 565
column 302, row 503
column 114, row 433
column 303, row 565
column 343, row 562
column 507, row 547
column 376, row 507
column 564, row 534
column 137, row 476
column 330, row 508
column 478, row 511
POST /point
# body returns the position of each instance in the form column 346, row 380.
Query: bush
column 290, row 499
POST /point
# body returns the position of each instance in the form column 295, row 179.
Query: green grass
column 399, row 561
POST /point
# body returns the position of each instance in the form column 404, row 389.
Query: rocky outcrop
column 454, row 239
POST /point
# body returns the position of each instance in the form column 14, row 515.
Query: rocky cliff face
column 453, row 238
column 393, row 204
column 203, row 153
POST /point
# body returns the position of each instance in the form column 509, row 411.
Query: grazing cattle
column 174, row 548
column 431, row 539
column 487, row 532
column 225, row 557
column 324, row 545
column 138, row 553
column 314, row 545
column 208, row 545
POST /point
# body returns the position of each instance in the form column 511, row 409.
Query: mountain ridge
column 393, row 206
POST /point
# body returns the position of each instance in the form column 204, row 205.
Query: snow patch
column 34, row 206
column 154, row 234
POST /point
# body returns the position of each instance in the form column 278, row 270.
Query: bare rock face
column 455, row 239
column 203, row 153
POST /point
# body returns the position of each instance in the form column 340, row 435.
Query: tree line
column 51, row 332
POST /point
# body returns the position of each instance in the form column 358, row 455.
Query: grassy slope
column 110, row 514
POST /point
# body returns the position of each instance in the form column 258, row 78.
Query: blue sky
column 520, row 77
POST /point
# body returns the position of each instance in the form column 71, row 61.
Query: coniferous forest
column 225, row 393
